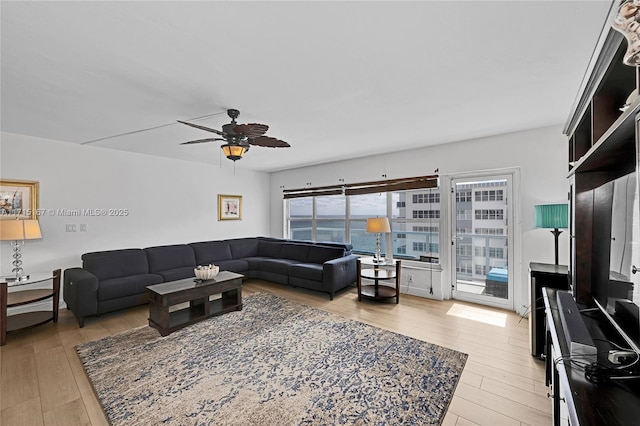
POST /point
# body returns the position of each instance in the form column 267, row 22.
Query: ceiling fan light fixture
column 234, row 151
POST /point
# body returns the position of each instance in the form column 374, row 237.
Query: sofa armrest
column 339, row 273
column 80, row 293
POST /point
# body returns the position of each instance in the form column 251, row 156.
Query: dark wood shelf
column 28, row 319
column 187, row 316
column 26, row 297
column 379, row 292
column 616, row 145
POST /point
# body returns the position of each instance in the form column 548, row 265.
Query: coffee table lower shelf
column 183, row 317
column 163, row 296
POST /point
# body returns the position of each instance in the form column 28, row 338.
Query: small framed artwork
column 18, row 199
column 229, row 207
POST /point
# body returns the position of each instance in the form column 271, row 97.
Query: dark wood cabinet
column 602, row 143
column 602, row 135
column 542, row 275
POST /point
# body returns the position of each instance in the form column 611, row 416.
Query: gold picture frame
column 18, row 199
column 229, row 207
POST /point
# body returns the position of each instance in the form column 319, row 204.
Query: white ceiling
column 336, row 80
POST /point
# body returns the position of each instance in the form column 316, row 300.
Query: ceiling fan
column 239, row 137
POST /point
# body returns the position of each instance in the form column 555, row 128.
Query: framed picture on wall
column 229, row 207
column 18, row 199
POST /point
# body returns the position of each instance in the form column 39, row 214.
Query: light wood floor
column 43, row 382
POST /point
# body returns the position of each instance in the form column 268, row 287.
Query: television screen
column 624, row 285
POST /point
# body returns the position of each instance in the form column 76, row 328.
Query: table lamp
column 378, row 225
column 554, row 217
column 16, row 231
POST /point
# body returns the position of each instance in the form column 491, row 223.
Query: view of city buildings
column 480, row 224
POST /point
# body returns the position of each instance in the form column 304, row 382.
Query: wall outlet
column 83, row 227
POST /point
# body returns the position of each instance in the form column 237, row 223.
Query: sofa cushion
column 116, row 263
column 164, row 258
column 243, row 247
column 277, row 266
column 208, row 252
column 320, row 254
column 239, row 266
column 177, row 273
column 126, row 286
column 270, row 249
column 309, row 271
column 299, row 252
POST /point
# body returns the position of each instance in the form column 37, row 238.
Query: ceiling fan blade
column 251, row 130
column 202, row 141
column 269, row 142
column 208, row 129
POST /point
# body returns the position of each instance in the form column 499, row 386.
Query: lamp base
column 556, row 233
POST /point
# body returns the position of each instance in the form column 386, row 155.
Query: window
column 480, row 251
column 489, row 214
column 463, row 196
column 361, row 208
column 464, row 268
column 464, row 249
column 489, row 195
column 481, row 270
column 419, row 246
column 463, row 230
column 496, row 252
column 330, row 218
column 426, row 228
column 415, row 231
column 489, row 231
column 300, row 218
column 426, row 198
column 464, row 215
column 418, row 230
column 426, row 214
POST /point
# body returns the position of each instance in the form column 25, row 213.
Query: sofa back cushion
column 270, row 249
column 162, row 258
column 320, row 254
column 116, row 263
column 295, row 252
column 243, row 247
column 207, row 252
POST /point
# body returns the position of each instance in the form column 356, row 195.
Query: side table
column 381, row 271
column 8, row 299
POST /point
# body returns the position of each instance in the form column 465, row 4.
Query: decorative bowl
column 206, row 272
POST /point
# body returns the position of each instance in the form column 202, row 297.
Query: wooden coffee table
column 197, row 293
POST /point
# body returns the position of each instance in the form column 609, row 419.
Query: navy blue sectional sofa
column 117, row 279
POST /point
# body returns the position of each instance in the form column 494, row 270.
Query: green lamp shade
column 551, row 216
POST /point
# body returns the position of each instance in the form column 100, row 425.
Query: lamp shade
column 552, row 216
column 14, row 230
column 378, row 224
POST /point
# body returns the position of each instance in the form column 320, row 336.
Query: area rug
column 276, row 362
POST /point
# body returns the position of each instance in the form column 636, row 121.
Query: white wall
column 539, row 154
column 169, row 201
